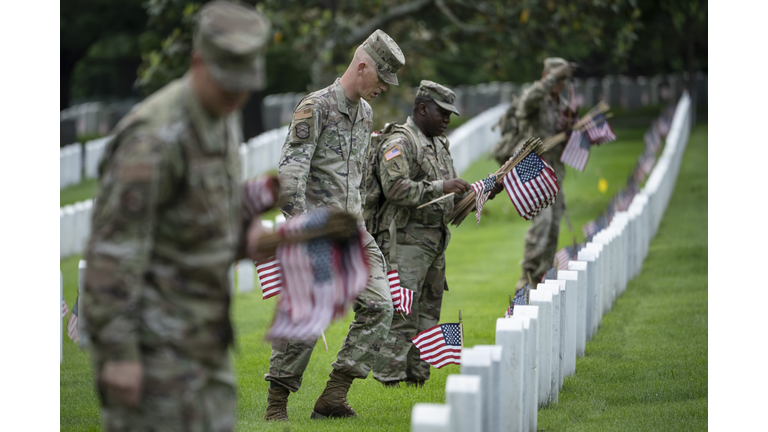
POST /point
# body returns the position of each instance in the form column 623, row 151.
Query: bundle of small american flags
column 595, row 131
column 402, row 298
column 531, row 186
column 317, row 279
column 440, row 345
column 482, row 190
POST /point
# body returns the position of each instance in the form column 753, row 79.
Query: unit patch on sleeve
column 392, row 153
column 302, row 130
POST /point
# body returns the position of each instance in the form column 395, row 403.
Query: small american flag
column 550, row 274
column 531, row 186
column 663, row 125
column 482, row 190
column 589, row 229
column 602, row 223
column 406, row 300
column 64, row 308
column 402, row 298
column 611, row 210
column 576, row 151
column 647, row 164
column 72, row 329
column 521, row 296
column 562, row 257
column 510, row 311
column 599, row 131
column 440, row 345
column 652, row 139
column 270, row 277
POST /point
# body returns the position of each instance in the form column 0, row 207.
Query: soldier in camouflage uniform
column 539, row 112
column 322, row 165
column 414, row 166
column 167, row 224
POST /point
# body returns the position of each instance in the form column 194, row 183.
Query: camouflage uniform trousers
column 179, row 394
column 541, row 237
column 422, row 270
column 373, row 316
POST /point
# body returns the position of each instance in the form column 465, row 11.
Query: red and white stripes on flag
column 320, row 278
column 270, row 277
column 531, row 186
column 64, row 308
column 576, row 151
column 561, row 258
column 482, row 190
column 72, row 329
column 402, row 298
column 440, row 345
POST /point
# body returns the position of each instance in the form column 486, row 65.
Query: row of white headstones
column 502, row 386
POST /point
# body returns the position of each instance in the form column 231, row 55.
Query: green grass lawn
column 645, row 369
column 79, row 192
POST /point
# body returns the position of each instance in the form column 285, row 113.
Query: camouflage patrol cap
column 232, row 39
column 442, row 95
column 387, row 55
column 553, row 62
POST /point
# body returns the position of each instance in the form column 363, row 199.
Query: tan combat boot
column 277, row 408
column 333, row 401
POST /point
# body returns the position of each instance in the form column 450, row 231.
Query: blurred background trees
column 133, row 47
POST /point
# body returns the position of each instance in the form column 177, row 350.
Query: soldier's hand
column 255, row 232
column 123, row 380
column 457, row 186
column 496, row 189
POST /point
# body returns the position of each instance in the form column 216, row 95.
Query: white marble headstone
column 543, row 299
column 511, row 337
column 531, row 389
column 571, row 279
column 245, row 275
column 463, row 395
column 478, row 362
column 426, row 417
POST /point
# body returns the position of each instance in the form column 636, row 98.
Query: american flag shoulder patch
column 392, row 153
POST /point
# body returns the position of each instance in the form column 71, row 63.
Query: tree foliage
column 451, row 41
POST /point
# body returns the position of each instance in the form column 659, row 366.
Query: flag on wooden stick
column 576, row 151
column 531, row 186
column 440, row 345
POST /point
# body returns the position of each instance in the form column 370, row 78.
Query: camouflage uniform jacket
column 412, row 173
column 538, row 114
column 167, row 224
column 321, row 163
